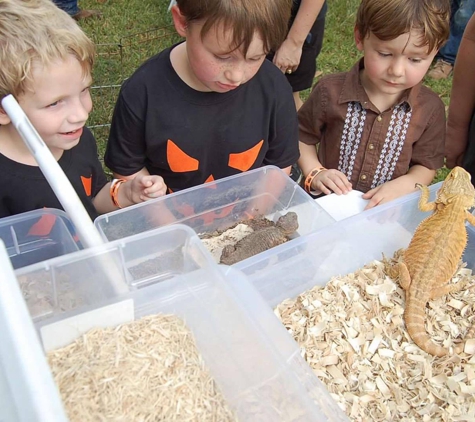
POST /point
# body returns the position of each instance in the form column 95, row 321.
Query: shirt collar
column 353, row 90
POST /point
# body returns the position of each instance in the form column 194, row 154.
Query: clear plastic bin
column 257, row 366
column 27, row 389
column 219, row 205
column 337, row 250
column 7, row 408
column 38, row 235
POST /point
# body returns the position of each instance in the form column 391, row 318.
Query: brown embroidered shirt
column 372, row 147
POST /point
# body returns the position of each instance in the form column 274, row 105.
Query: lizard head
column 457, row 187
column 288, row 223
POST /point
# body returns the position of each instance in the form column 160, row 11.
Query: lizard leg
column 404, row 276
column 448, row 288
column 424, row 204
column 470, row 218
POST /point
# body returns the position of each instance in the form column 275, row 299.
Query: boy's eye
column 416, row 60
column 383, row 54
column 222, row 57
column 52, row 104
column 256, row 59
column 86, row 89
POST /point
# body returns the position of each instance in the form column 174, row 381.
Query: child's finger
column 337, row 185
column 321, row 186
column 147, row 181
column 156, row 190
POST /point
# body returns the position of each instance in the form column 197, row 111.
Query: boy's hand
column 331, row 180
column 145, row 187
column 389, row 191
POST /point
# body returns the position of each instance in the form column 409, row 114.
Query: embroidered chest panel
column 392, row 147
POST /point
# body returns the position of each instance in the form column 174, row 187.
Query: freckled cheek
column 206, row 70
column 251, row 71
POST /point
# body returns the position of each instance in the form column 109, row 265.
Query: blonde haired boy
column 46, row 63
column 378, row 129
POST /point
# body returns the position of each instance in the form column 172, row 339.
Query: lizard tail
column 414, row 317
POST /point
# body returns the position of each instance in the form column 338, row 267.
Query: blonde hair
column 270, row 18
column 37, row 32
column 388, row 19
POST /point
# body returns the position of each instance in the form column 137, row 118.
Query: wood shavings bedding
column 40, row 293
column 146, row 370
column 215, row 245
column 352, row 334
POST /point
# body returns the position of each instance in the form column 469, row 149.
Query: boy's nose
column 235, row 75
column 396, row 68
column 79, row 112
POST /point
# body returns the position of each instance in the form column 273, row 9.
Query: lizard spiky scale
column 261, row 240
column 433, row 255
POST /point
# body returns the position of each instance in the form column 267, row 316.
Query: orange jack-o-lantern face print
column 181, row 162
column 87, row 184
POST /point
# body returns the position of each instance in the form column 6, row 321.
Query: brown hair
column 270, row 18
column 37, row 32
column 388, row 19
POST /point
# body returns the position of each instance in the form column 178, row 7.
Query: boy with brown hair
column 46, row 62
column 379, row 130
column 211, row 106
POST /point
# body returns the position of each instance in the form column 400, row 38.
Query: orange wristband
column 309, row 179
column 114, row 191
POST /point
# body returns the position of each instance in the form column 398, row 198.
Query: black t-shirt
column 24, row 188
column 190, row 137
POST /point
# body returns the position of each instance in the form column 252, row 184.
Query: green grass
column 133, row 30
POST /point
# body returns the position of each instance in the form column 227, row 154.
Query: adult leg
column 71, row 8
column 462, row 11
column 468, row 162
column 458, row 22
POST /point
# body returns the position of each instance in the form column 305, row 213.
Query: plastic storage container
column 257, row 366
column 337, row 250
column 38, row 235
column 218, row 205
column 27, row 389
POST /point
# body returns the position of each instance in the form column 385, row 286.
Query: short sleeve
column 311, row 116
column 428, row 150
column 126, row 152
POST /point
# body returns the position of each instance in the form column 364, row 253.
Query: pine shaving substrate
column 146, row 370
column 352, row 334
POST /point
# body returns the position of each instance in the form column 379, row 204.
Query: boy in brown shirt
column 379, row 130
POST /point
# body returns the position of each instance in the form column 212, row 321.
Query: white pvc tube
column 53, row 173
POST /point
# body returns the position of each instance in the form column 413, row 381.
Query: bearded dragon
column 261, row 240
column 434, row 253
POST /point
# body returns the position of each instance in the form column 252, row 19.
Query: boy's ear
column 358, row 39
column 179, row 21
column 4, row 119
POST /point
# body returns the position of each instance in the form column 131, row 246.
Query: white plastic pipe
column 88, row 234
column 53, row 173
